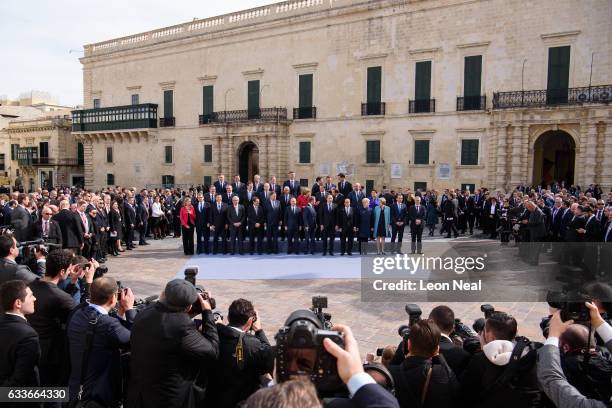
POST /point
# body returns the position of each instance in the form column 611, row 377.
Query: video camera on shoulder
column 190, row 276
column 300, row 352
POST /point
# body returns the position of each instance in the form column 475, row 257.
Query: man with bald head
column 71, row 227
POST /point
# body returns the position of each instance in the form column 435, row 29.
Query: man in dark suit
column 274, row 216
column 309, row 221
column 347, row 226
column 142, row 219
column 228, row 194
column 327, row 219
column 19, row 348
column 317, row 186
column 344, row 186
column 285, row 202
column 248, row 195
column 275, row 187
column 237, row 186
column 264, row 194
column 537, row 231
column 568, row 216
column 47, row 229
column 556, row 217
column 220, row 184
column 102, row 381
column 399, row 212
column 168, row 352
column 130, row 222
column 210, row 197
column 21, row 219
column 356, row 196
column 328, row 184
column 256, row 219
column 218, row 224
column 71, row 227
column 9, row 269
column 416, row 215
column 202, row 209
column 456, row 357
column 292, row 224
column 236, row 377
column 293, row 184
column 235, row 219
column 490, row 217
column 257, row 184
column 88, row 229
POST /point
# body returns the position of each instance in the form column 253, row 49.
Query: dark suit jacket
column 414, row 215
column 71, row 227
column 244, row 198
column 294, row 189
column 232, row 217
column 277, row 189
column 238, row 188
column 575, row 223
column 593, row 230
column 368, row 396
column 130, row 215
column 19, row 353
column 220, row 188
column 346, row 189
column 218, row 218
column 103, row 378
column 21, row 221
column 262, row 196
column 230, row 384
column 398, row 215
column 309, row 216
column 456, row 357
column 259, row 218
column 327, row 218
column 346, row 222
column 292, row 220
column 273, row 217
column 9, row 270
column 179, row 351
column 227, row 200
column 356, row 198
column 202, row 217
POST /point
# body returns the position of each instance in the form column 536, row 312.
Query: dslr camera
column 571, row 305
column 190, row 276
column 300, row 352
column 318, row 304
column 414, row 315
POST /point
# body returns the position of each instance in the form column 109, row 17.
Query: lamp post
column 523, row 83
column 591, row 74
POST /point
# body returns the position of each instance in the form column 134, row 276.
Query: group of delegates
column 52, row 340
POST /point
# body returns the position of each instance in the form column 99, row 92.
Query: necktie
column 293, row 209
column 255, row 210
column 417, row 208
column 201, row 207
column 329, row 207
column 218, row 207
column 45, row 228
column 236, row 210
column 347, row 211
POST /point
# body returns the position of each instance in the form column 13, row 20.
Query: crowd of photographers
column 176, row 351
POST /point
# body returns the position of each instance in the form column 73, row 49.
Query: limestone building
column 400, row 93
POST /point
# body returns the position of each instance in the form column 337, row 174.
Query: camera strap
column 89, row 335
column 240, row 352
column 511, row 369
column 426, row 385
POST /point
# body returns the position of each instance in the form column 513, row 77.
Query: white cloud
column 37, row 36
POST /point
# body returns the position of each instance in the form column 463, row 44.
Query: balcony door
column 253, row 99
column 558, row 75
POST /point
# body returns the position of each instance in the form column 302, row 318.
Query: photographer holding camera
column 503, row 374
column 550, row 375
column 424, row 378
column 9, row 269
column 168, row 351
column 243, row 357
column 96, row 340
column 456, row 357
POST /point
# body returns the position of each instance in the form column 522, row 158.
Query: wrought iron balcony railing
column 372, row 108
column 422, row 106
column 166, row 122
column 48, row 161
column 205, row 119
column 309, row 112
column 261, row 114
column 552, row 97
column 467, row 103
column 115, row 118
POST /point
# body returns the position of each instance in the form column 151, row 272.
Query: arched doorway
column 248, row 161
column 554, row 158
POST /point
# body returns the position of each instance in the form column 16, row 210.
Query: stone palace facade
column 396, row 93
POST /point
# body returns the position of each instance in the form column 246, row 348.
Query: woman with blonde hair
column 382, row 225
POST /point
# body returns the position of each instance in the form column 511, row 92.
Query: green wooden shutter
column 304, row 152
column 109, row 154
column 422, row 81
column 369, row 187
column 168, row 154
column 472, row 75
column 207, row 153
column 558, row 74
column 80, row 154
column 253, row 98
column 374, row 84
column 168, row 103
column 208, row 100
column 469, row 152
column 421, row 152
column 110, row 179
column 303, row 182
column 44, row 149
column 305, row 91
column 14, row 150
column 373, row 151
column 207, row 181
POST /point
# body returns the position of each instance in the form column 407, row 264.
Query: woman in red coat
column 188, row 221
column 302, row 199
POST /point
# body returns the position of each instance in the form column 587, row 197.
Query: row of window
column 42, row 152
column 558, row 79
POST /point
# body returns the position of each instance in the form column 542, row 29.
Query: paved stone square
column 146, row 270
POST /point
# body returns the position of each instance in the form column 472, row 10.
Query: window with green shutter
column 472, row 76
column 558, row 74
column 422, row 81
column 208, row 153
column 253, row 99
column 208, row 100
column 207, row 182
column 135, row 99
column 169, row 103
column 80, row 154
column 305, row 91
column 303, row 182
column 304, row 152
column 372, row 151
column 109, row 154
column 14, row 149
column 43, row 148
column 374, row 85
column 369, row 186
column 110, row 179
column 2, row 162
column 469, row 152
column 421, row 152
column 168, row 181
column 168, row 154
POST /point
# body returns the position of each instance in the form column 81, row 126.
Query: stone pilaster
column 516, row 167
column 88, row 172
column 590, row 154
column 525, row 154
column 606, row 173
column 581, row 158
column 501, row 157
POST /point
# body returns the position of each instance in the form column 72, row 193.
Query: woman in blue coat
column 364, row 224
column 382, row 225
column 431, row 217
column 373, row 199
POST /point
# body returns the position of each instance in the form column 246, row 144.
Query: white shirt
column 15, row 314
column 98, row 308
column 156, row 210
column 493, row 208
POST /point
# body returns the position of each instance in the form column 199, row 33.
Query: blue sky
column 37, row 36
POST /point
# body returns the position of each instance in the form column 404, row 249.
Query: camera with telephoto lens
column 571, row 304
column 464, row 336
column 487, row 310
column 190, row 276
column 300, row 352
column 318, row 304
column 414, row 315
